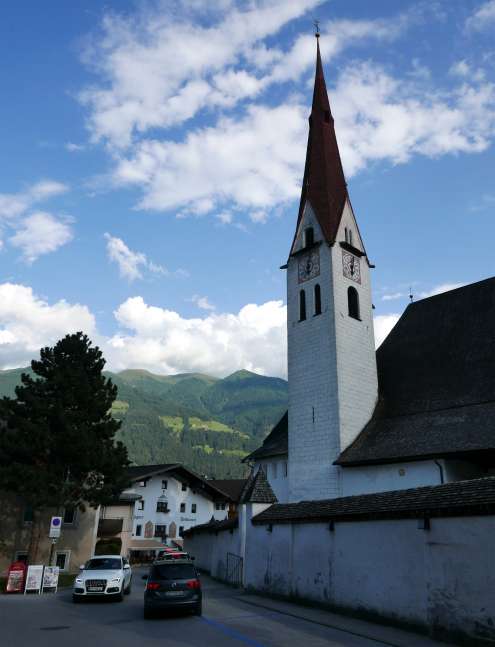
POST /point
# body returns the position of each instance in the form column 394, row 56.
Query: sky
column 152, row 156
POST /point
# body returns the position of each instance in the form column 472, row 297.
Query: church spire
column 324, row 185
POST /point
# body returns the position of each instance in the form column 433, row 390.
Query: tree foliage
column 57, row 439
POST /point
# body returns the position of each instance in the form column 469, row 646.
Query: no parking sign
column 55, row 526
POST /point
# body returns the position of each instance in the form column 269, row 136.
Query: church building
column 416, row 412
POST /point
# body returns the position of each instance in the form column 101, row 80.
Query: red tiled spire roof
column 324, row 184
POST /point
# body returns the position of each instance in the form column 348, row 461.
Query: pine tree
column 57, row 438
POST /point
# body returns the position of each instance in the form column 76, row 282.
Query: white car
column 103, row 575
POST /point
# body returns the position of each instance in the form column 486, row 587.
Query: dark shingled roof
column 213, row 526
column 324, row 185
column 436, row 374
column 257, row 489
column 181, row 473
column 232, row 487
column 460, row 498
column 275, row 444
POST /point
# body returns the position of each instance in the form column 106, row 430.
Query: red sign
column 15, row 577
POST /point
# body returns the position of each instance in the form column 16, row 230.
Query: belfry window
column 353, row 303
column 350, row 236
column 302, row 305
column 317, row 300
column 309, row 236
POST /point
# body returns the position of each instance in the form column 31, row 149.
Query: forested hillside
column 207, row 423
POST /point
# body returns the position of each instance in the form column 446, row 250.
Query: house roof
column 232, row 487
column 182, row 474
column 436, row 375
column 460, row 498
column 324, row 185
column 257, row 489
column 275, row 444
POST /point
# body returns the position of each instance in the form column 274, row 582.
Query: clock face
column 351, row 267
column 309, row 266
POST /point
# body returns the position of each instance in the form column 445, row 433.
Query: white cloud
column 141, row 89
column 245, row 161
column 131, row 264
column 40, row 233
column 382, row 325
column 28, row 322
column 163, row 341
column 202, row 302
column 440, row 289
column 393, row 296
column 74, row 148
column 15, row 204
column 483, row 18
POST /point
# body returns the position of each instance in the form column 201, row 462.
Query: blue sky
column 152, row 155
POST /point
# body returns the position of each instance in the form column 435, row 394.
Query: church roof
column 232, row 487
column 275, row 444
column 257, row 489
column 436, row 376
column 324, row 184
column 460, row 498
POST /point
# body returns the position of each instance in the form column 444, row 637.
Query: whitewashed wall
column 441, row 579
column 210, row 550
column 277, row 473
column 400, row 476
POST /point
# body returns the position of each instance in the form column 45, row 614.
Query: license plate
column 96, row 589
column 174, row 594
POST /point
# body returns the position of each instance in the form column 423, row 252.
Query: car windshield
column 173, row 572
column 104, row 564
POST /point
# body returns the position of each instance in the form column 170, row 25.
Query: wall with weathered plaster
column 442, row 579
column 400, row 476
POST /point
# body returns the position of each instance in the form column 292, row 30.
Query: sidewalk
column 362, row 628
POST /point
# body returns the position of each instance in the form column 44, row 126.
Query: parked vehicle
column 172, row 584
column 103, row 575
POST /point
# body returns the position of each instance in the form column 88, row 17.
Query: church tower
column 331, row 353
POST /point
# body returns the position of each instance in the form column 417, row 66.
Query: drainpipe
column 440, row 469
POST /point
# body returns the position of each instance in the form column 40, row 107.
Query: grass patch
column 204, row 448
column 174, row 423
column 233, row 452
column 119, row 407
column 213, row 425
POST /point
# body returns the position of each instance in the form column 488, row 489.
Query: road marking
column 232, row 632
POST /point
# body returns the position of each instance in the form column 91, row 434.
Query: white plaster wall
column 312, row 375
column 356, row 358
column 226, row 541
column 400, row 476
column 205, row 508
column 443, row 578
column 276, row 470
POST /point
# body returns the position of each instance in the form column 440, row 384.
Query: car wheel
column 198, row 610
column 148, row 614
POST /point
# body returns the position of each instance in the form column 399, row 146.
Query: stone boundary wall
column 210, row 549
column 440, row 580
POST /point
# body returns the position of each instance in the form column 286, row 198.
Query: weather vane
column 316, row 24
column 411, row 296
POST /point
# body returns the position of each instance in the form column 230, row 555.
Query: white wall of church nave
column 356, row 357
column 400, row 476
column 277, row 473
column 313, row 437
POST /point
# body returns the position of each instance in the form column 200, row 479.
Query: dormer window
column 309, row 237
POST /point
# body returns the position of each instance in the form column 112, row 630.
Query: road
column 227, row 621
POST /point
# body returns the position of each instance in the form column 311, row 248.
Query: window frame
column 353, row 306
column 74, row 516
column 317, row 300
column 302, row 305
column 66, row 554
column 139, row 526
column 182, row 507
column 193, row 508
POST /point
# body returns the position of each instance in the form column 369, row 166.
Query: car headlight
column 115, row 580
column 79, row 580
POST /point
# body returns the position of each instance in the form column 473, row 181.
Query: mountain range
column 207, row 423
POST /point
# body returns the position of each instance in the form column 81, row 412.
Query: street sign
column 55, row 527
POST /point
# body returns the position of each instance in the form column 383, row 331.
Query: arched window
column 317, row 300
column 353, row 302
column 309, row 236
column 302, row 305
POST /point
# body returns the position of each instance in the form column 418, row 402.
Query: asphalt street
column 227, row 621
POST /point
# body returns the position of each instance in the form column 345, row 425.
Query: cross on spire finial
column 316, row 24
